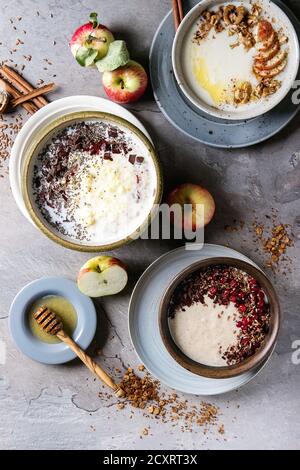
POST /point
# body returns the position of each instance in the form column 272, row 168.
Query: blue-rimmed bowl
column 54, row 353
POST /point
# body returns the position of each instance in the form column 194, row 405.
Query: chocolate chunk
column 112, row 132
column 116, row 148
column 131, row 159
column 140, row 159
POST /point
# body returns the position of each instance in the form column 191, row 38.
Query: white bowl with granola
column 236, row 60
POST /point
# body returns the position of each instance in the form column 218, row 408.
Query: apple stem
column 122, row 84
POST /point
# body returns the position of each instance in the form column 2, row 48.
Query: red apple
column 102, row 275
column 193, row 195
column 91, row 41
column 125, row 84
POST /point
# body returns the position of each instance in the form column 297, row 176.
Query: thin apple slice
column 271, row 73
column 265, row 30
column 99, row 284
column 271, row 64
column 268, row 43
column 270, row 53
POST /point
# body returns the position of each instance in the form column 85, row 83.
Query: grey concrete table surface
column 45, row 407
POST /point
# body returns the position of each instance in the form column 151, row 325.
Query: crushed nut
column 283, row 39
column 144, row 392
column 242, row 94
column 276, row 244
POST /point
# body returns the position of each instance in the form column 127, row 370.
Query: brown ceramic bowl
column 227, row 371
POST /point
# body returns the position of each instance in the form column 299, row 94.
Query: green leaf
column 93, row 18
column 117, row 55
column 85, row 56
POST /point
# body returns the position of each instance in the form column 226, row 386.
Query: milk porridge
column 95, row 182
column 219, row 316
column 235, row 56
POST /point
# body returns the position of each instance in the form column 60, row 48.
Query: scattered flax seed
column 120, row 406
column 141, row 367
column 145, row 432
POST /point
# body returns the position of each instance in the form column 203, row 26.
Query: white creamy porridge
column 204, row 331
column 95, row 182
column 212, row 67
column 233, row 63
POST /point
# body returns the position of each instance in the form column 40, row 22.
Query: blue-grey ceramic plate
column 56, row 353
column 197, row 124
column 144, row 325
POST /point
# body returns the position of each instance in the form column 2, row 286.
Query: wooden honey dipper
column 49, row 322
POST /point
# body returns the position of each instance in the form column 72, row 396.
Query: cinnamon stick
column 180, row 10
column 22, row 84
column 175, row 14
column 31, row 108
column 32, row 94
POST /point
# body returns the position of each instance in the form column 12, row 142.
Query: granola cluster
column 236, row 19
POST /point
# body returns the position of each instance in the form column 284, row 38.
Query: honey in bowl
column 63, row 309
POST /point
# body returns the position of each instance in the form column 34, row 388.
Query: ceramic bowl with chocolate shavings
column 91, row 181
column 219, row 317
column 236, row 60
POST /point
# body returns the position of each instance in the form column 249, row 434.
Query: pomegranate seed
column 213, row 291
column 254, row 289
column 232, row 298
column 261, row 295
column 239, row 324
column 226, row 293
column 245, row 321
column 260, row 304
column 241, row 294
column 252, row 282
column 242, row 308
